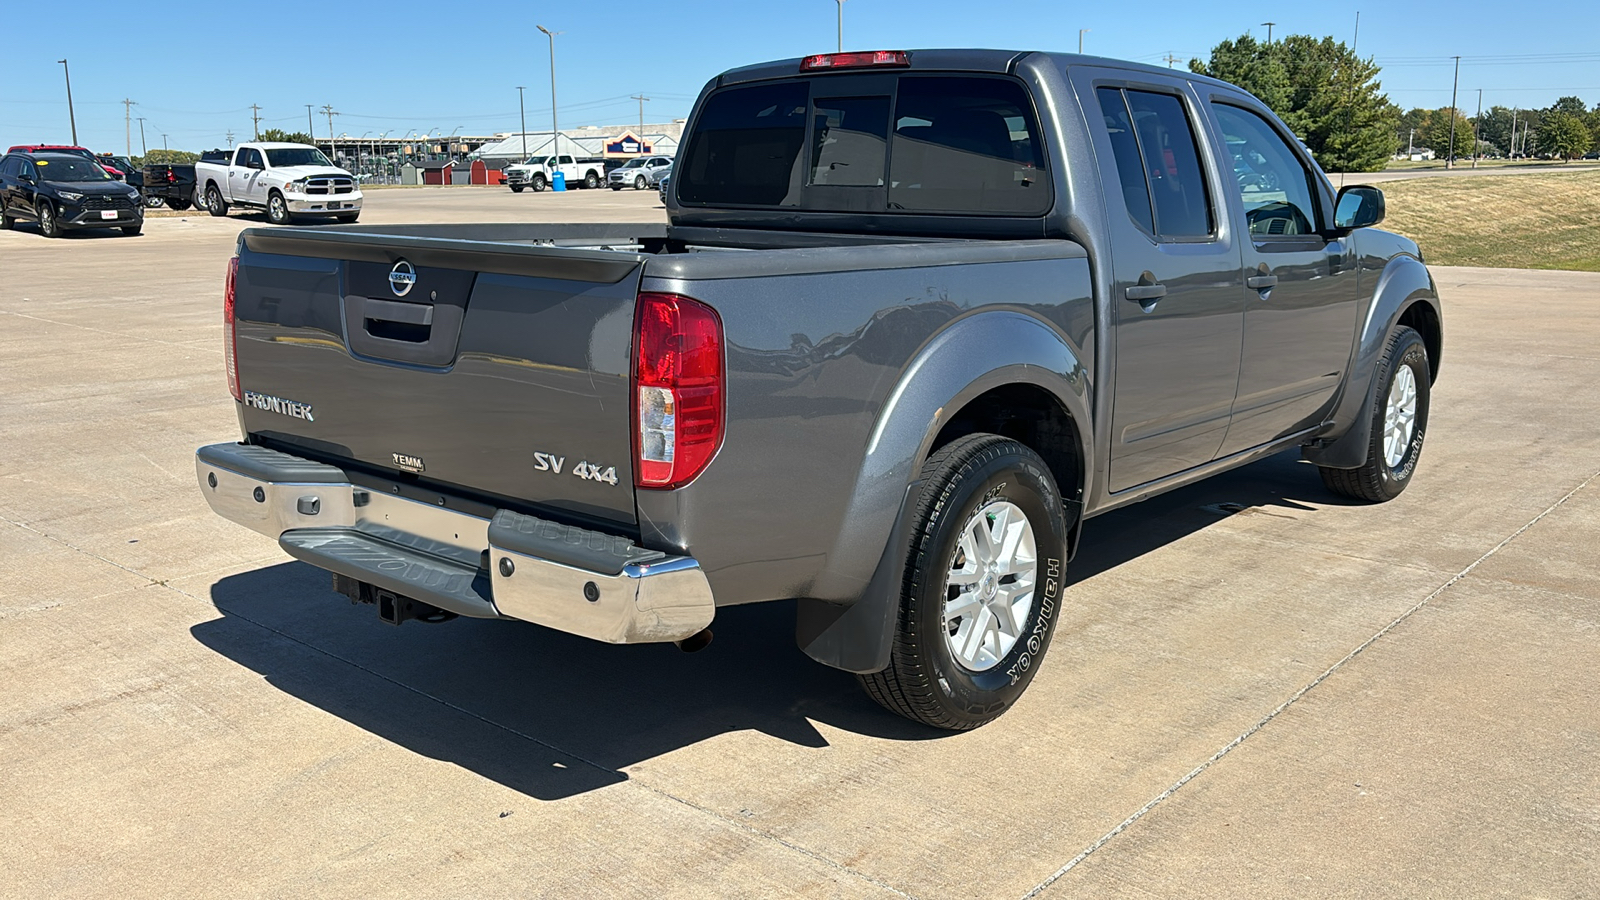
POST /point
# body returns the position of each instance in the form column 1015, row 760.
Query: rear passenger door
column 1177, row 301
column 1300, row 317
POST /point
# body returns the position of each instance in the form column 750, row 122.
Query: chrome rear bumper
column 582, row 582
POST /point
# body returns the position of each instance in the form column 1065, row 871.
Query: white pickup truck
column 289, row 181
column 539, row 172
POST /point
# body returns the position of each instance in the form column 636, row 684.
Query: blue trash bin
column 559, row 182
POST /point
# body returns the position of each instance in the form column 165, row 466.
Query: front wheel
column 640, row 184
column 132, row 230
column 7, row 223
column 349, row 219
column 49, row 224
column 982, row 587
column 1399, row 423
column 176, row 204
column 277, row 209
column 539, row 184
column 516, row 189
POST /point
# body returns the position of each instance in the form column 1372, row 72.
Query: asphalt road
column 1303, row 698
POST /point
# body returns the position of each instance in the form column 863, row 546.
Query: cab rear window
column 932, row 144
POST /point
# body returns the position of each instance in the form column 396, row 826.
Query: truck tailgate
column 502, row 369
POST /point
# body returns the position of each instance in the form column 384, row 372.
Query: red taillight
column 230, row 334
column 677, row 389
column 855, row 60
column 172, row 176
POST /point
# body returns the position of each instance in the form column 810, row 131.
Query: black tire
column 214, row 203
column 132, row 230
column 591, row 180
column 278, row 209
column 49, row 222
column 174, row 203
column 7, row 223
column 1376, row 481
column 348, row 220
column 639, row 183
column 616, row 187
column 538, row 183
column 924, row 681
column 516, row 189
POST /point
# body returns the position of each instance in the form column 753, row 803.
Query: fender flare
column 848, row 621
column 1405, row 282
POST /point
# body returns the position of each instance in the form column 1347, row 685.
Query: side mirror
column 1358, row 206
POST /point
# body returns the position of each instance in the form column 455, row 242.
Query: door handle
column 1146, row 292
column 1261, row 282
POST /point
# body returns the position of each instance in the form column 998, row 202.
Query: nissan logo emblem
column 401, row 278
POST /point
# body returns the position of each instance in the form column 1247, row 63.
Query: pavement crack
column 1227, row 748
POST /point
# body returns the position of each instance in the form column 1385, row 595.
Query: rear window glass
column 746, row 147
column 940, row 144
column 966, row 145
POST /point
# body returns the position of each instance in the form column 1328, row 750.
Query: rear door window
column 1130, row 166
column 966, row 145
column 1158, row 163
column 849, row 141
column 746, row 146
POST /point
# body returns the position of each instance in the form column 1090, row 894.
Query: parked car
column 661, row 186
column 539, row 172
column 914, row 320
column 289, row 181
column 641, row 172
column 84, row 152
column 64, row 191
column 125, row 171
column 169, row 183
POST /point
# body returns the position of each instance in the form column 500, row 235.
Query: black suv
column 62, row 191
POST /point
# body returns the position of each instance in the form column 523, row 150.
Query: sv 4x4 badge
column 549, row 462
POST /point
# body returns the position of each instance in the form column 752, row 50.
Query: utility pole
column 1411, row 143
column 329, row 110
column 1269, row 30
column 311, row 130
column 641, row 98
column 164, row 143
column 841, row 26
column 127, row 124
column 1450, row 160
column 524, row 111
column 1170, row 59
column 1511, row 145
column 71, row 116
column 143, row 150
column 255, row 119
column 1475, row 124
column 230, row 139
column 555, row 129
column 1357, row 36
column 1081, row 33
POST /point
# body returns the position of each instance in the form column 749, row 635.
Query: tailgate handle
column 405, row 313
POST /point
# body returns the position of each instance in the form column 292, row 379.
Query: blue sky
column 195, row 68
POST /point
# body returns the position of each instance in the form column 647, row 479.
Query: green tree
column 1439, row 134
column 287, row 137
column 1494, row 127
column 1572, row 106
column 1328, row 96
column 1564, row 135
column 174, row 157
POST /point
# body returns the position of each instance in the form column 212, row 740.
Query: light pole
column 841, row 26
column 524, row 112
column 311, row 130
column 71, row 116
column 555, row 129
column 1081, row 33
column 143, row 149
column 1269, row 30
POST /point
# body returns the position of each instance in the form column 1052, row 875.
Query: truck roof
column 944, row 59
column 271, row 145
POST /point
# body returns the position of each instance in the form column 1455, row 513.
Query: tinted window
column 1171, row 164
column 1125, row 149
column 295, row 156
column 9, row 166
column 746, row 147
column 849, row 137
column 966, row 145
column 1275, row 186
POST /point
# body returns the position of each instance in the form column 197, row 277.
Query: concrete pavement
column 1305, row 698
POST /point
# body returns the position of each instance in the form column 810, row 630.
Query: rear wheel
column 49, row 223
column 539, row 184
column 982, row 585
column 151, row 202
column 591, row 180
column 277, row 209
column 214, row 202
column 1399, row 423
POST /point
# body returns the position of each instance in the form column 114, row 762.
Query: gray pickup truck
column 915, row 318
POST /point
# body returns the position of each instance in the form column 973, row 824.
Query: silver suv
column 643, row 173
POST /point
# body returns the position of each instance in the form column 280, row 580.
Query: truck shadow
column 551, row 715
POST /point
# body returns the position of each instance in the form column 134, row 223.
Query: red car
column 66, row 148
